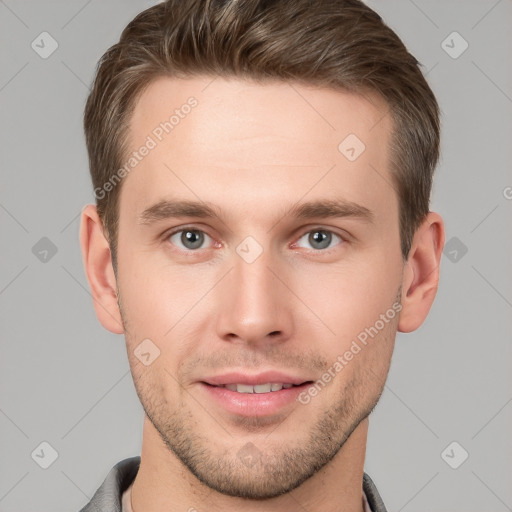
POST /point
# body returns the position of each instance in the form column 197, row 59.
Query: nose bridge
column 252, row 305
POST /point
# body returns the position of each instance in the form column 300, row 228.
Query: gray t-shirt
column 114, row 493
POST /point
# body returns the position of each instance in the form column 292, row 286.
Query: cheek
column 166, row 306
column 362, row 361
column 351, row 298
column 156, row 296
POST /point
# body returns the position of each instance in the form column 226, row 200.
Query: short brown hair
column 341, row 44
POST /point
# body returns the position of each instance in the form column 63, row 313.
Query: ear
column 421, row 273
column 100, row 272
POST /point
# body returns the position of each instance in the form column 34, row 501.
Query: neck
column 164, row 484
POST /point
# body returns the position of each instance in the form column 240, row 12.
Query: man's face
column 259, row 294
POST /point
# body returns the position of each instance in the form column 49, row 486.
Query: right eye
column 190, row 239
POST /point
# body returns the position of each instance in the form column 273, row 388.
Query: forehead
column 244, row 107
column 220, row 132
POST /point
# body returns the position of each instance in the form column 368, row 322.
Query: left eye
column 320, row 238
column 190, row 239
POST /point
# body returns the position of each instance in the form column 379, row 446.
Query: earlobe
column 98, row 268
column 421, row 273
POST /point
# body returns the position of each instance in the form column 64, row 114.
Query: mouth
column 265, row 394
column 269, row 387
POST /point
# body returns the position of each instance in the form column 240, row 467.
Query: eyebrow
column 167, row 209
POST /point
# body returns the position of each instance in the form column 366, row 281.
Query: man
column 262, row 230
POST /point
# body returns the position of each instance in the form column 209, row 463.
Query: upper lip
column 273, row 377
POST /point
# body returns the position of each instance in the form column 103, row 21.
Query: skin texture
column 254, row 151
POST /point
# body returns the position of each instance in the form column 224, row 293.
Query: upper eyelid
column 175, row 230
column 319, row 228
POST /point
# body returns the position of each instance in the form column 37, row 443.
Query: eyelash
column 343, row 239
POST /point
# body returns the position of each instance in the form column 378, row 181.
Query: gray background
column 65, row 381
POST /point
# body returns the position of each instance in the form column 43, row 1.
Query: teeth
column 244, row 388
column 259, row 388
column 262, row 388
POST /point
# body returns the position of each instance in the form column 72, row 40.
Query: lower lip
column 254, row 404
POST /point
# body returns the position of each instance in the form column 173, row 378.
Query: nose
column 253, row 304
